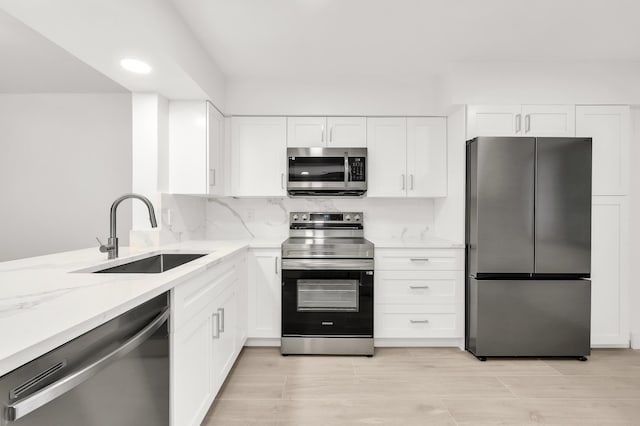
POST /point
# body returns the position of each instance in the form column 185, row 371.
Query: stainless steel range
column 327, row 285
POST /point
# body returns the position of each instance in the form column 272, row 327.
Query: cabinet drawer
column 420, row 260
column 195, row 294
column 417, row 287
column 399, row 322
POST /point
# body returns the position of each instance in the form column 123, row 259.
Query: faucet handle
column 103, row 248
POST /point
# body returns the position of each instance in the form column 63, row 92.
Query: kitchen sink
column 151, row 265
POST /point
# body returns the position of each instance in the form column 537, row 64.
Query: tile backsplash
column 268, row 218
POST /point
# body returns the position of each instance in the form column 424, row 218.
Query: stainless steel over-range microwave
column 326, row 171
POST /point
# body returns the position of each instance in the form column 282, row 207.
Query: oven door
column 327, row 302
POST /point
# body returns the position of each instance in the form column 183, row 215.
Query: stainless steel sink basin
column 151, row 265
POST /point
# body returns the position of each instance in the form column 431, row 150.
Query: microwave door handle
column 47, row 394
column 347, row 171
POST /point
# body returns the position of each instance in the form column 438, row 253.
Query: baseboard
column 635, row 340
column 610, row 346
column 455, row 342
column 263, row 341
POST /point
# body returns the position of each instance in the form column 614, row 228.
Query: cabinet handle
column 276, row 265
column 415, row 287
column 212, row 182
column 216, row 330
column 411, row 178
column 322, row 137
column 403, row 182
column 221, row 322
column 331, row 135
column 518, row 123
column 527, row 123
column 418, row 321
column 282, row 180
column 419, row 259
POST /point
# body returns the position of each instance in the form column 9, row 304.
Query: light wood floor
column 428, row 386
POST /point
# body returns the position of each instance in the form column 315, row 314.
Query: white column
column 150, row 126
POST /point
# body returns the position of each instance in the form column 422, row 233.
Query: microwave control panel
column 357, row 172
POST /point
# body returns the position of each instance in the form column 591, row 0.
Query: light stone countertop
column 44, row 303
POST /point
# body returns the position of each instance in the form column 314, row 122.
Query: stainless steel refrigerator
column 528, row 247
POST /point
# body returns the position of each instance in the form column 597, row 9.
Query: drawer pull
column 418, row 321
column 419, row 259
column 415, row 287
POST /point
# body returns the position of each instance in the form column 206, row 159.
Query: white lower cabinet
column 191, row 371
column 419, row 294
column 265, row 288
column 224, row 335
column 204, row 338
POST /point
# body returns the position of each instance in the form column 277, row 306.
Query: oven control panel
column 325, row 218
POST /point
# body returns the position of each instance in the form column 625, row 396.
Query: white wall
column 65, row 158
column 355, row 96
column 542, row 83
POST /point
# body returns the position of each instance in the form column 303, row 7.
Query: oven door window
column 328, row 295
column 316, row 169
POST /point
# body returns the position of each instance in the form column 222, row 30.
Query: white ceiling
column 407, row 38
column 33, row 64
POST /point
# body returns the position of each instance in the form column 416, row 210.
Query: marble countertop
column 45, row 302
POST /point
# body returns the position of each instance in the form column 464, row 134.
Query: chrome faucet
column 112, row 243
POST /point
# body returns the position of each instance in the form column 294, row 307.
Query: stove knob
column 347, row 217
column 356, row 217
column 304, row 217
column 295, row 217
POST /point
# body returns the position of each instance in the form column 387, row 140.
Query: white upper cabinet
column 609, row 126
column 494, row 120
column 339, row 132
column 196, row 140
column 548, row 120
column 306, row 132
column 347, row 132
column 427, row 157
column 258, row 156
column 407, row 157
column 387, row 157
column 520, row 120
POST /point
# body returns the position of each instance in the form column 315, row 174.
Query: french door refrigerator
column 528, row 247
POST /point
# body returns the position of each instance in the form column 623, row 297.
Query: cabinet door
column 224, row 340
column 609, row 292
column 242, row 269
column 215, row 137
column 347, row 132
column 305, row 132
column 494, row 120
column 265, row 294
column 191, row 372
column 387, row 157
column 188, row 147
column 609, row 127
column 549, row 120
column 427, row 157
column 258, row 156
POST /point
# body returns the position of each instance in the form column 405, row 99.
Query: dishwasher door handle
column 47, row 394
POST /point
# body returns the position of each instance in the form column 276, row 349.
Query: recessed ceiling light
column 135, row 65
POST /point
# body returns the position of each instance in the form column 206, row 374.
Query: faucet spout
column 112, row 244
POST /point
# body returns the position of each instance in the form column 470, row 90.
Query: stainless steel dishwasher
column 115, row 374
